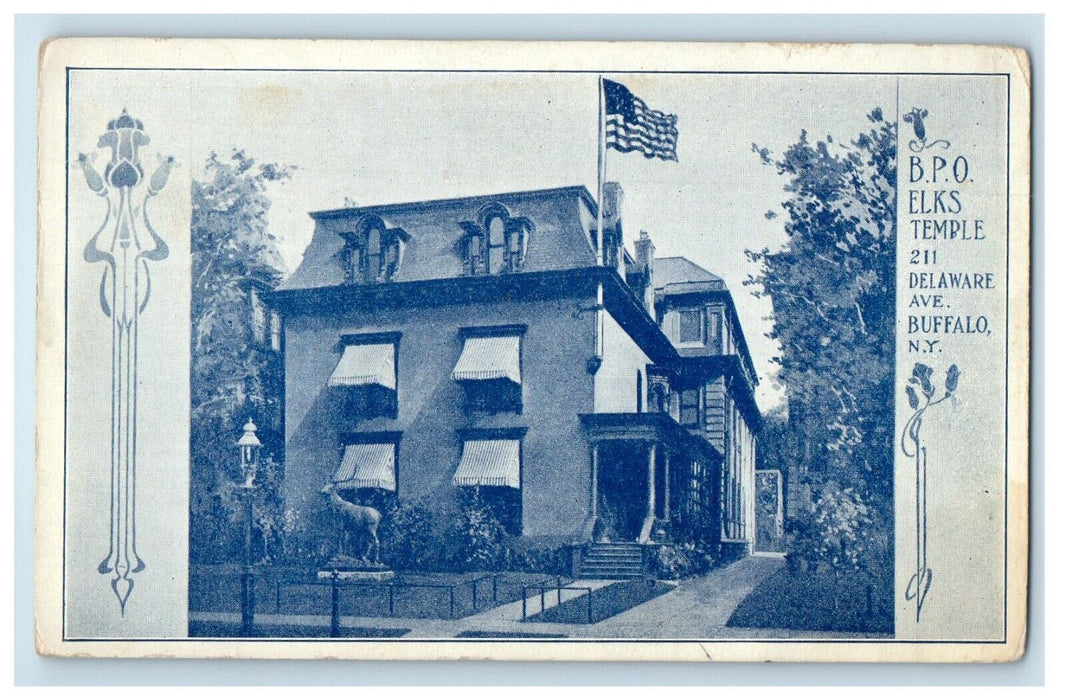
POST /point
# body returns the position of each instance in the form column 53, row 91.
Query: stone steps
column 613, row 560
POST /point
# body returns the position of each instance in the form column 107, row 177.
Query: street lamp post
column 248, row 446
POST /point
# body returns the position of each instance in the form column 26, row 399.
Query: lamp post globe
column 248, row 445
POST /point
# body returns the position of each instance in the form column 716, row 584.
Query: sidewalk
column 697, row 609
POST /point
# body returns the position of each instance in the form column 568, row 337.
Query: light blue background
column 1026, row 31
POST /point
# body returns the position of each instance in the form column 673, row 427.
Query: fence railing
column 296, row 595
column 543, row 587
column 389, row 589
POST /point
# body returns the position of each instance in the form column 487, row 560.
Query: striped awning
column 489, row 463
column 370, row 466
column 366, row 364
column 494, row 357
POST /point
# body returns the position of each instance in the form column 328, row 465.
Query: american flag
column 631, row 126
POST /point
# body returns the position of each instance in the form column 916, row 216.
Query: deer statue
column 356, row 520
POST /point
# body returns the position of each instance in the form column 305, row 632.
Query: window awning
column 366, row 364
column 494, row 357
column 489, row 463
column 371, row 466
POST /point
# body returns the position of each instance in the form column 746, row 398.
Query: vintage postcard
column 408, row 350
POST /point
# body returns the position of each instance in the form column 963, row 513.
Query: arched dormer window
column 496, row 242
column 373, row 252
column 495, row 225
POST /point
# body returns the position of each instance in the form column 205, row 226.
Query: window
column 372, row 260
column 258, row 318
column 489, row 475
column 495, row 243
column 275, row 331
column 690, row 326
column 392, row 261
column 474, row 252
column 373, row 252
column 516, row 245
column 367, row 466
column 492, row 396
column 690, row 407
column 714, row 331
column 367, row 375
column 659, row 399
column 640, row 391
column 490, row 369
column 368, row 471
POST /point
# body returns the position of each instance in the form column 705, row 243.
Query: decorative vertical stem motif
column 125, row 243
column 921, row 397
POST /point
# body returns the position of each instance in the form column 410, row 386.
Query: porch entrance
column 648, row 475
column 622, row 491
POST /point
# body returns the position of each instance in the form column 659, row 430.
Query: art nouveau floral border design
column 125, row 243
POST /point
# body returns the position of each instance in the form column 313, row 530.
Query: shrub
column 839, row 532
column 474, row 538
column 534, row 559
column 681, row 560
column 410, row 537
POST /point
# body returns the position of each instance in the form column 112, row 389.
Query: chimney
column 645, row 256
column 612, row 224
column 612, row 205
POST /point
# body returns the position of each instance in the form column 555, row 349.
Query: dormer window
column 517, row 236
column 690, row 327
column 373, row 252
column 372, row 259
column 496, row 243
column 714, row 331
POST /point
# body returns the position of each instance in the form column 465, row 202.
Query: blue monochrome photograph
column 528, row 360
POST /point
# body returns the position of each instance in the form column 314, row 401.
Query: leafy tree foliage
column 234, row 375
column 832, row 286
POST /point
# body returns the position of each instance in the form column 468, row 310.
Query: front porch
column 647, row 477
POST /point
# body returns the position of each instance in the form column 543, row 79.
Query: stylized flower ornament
column 911, row 443
column 125, row 243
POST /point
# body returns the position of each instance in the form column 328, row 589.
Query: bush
column 681, row 560
column 474, row 538
column 840, row 532
column 541, row 560
column 410, row 537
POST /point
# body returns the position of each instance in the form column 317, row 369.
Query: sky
column 379, row 138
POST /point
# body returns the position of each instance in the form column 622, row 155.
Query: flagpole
column 601, row 168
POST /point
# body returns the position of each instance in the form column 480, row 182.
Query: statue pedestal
column 352, row 569
column 355, row 575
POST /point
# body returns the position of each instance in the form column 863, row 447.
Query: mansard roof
column 678, row 275
column 561, row 220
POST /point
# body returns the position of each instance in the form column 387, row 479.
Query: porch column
column 649, row 518
column 594, row 487
column 666, row 485
column 594, row 499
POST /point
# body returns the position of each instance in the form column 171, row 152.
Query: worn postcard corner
column 556, row 351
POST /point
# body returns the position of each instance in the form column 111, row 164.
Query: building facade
column 499, row 344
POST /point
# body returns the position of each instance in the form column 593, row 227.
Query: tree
column 232, row 377
column 832, row 286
